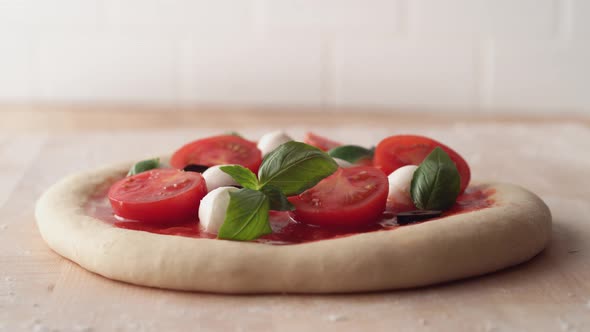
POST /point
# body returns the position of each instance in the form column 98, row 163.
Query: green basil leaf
column 242, row 175
column 247, row 216
column 436, row 182
column 351, row 153
column 278, row 200
column 144, row 165
column 294, row 167
column 233, row 133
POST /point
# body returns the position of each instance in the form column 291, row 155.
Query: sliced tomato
column 320, row 142
column 396, row 151
column 351, row 197
column 218, row 150
column 159, row 196
column 364, row 162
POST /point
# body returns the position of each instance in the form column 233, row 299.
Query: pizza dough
column 512, row 231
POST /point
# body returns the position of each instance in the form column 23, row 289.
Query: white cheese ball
column 271, row 141
column 400, row 182
column 213, row 209
column 215, row 178
column 342, row 163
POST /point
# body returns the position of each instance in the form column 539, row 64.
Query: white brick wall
column 16, row 67
column 250, row 71
column 106, row 67
column 548, row 76
column 580, row 19
column 179, row 15
column 61, row 13
column 386, row 73
column 335, row 17
column 475, row 55
column 506, row 19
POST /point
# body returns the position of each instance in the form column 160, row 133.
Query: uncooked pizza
column 229, row 215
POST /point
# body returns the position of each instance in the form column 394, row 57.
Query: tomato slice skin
column 218, row 150
column 320, row 142
column 396, row 151
column 159, row 196
column 351, row 197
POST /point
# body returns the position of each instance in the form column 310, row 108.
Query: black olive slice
column 195, row 168
column 410, row 217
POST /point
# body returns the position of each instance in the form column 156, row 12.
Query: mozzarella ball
column 213, row 209
column 271, row 141
column 342, row 163
column 400, row 182
column 215, row 178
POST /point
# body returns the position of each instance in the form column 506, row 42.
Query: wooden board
column 40, row 291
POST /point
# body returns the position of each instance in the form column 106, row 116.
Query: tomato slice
column 159, row 196
column 364, row 162
column 320, row 142
column 351, row 197
column 218, row 150
column 396, row 151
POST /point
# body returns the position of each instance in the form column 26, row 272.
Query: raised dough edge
column 469, row 244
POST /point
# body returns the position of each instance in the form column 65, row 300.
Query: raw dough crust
column 514, row 230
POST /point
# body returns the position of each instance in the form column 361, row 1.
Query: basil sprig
column 288, row 170
column 436, row 182
column 294, row 167
column 247, row 216
column 351, row 153
column 233, row 133
column 144, row 165
column 278, row 200
column 245, row 177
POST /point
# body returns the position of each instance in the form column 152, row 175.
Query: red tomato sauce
column 285, row 229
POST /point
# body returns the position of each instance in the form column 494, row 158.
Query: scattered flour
column 565, row 326
column 336, row 317
column 422, row 321
column 588, row 304
column 182, row 312
column 38, row 327
column 3, row 227
column 256, row 309
column 489, row 327
column 83, row 328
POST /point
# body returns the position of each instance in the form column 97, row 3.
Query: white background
column 439, row 55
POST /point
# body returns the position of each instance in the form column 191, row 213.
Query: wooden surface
column 40, row 291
